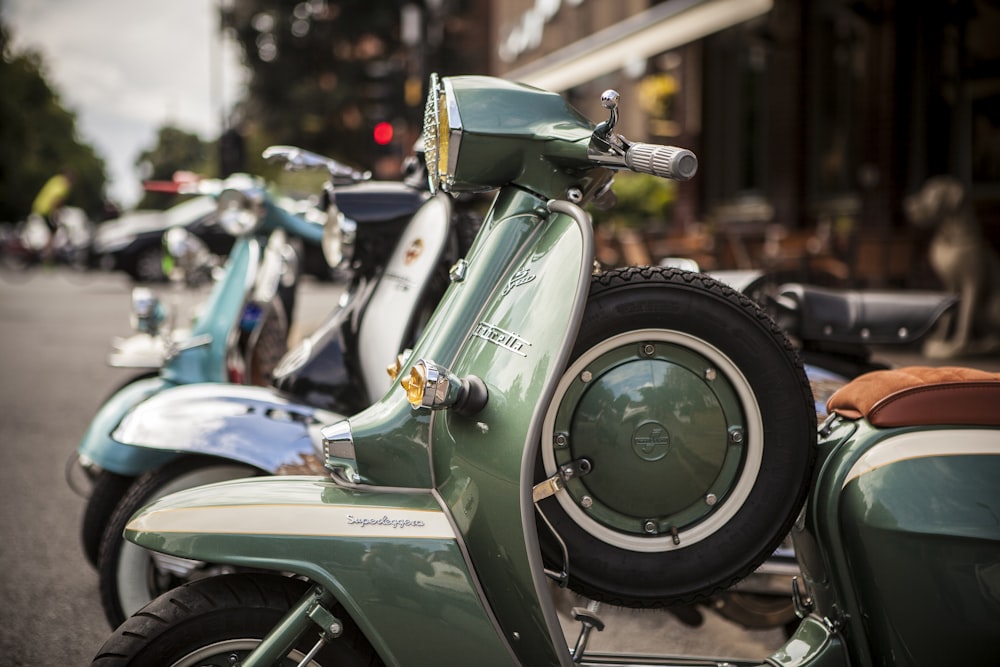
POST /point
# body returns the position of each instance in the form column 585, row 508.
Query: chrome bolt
column 710, row 374
column 736, row 436
column 650, row 527
column 711, row 499
column 586, row 502
column 335, row 628
column 233, row 659
column 575, row 195
column 648, row 349
column 561, row 440
column 586, row 376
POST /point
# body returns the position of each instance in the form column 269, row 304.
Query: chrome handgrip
column 679, row 164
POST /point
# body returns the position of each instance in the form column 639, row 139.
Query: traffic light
column 382, row 133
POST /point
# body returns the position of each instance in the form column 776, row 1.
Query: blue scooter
column 213, row 431
column 239, row 337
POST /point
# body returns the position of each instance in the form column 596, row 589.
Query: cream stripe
column 921, row 444
column 297, row 520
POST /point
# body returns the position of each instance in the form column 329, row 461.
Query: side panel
column 253, row 425
column 391, row 559
column 919, row 518
column 396, row 298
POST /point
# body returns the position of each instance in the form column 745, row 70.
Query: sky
column 127, row 67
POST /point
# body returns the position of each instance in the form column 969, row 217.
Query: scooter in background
column 239, row 337
column 838, row 333
column 215, row 431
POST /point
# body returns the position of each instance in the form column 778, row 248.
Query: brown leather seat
column 921, row 396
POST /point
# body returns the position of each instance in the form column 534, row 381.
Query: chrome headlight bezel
column 147, row 313
column 442, row 134
column 240, row 212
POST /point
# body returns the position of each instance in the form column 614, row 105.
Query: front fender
column 253, row 425
column 393, row 560
column 99, row 448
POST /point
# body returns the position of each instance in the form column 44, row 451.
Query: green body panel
column 477, row 461
column 392, row 441
column 518, row 347
column 907, row 552
column 391, row 559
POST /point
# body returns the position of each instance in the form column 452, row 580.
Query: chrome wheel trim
column 227, row 648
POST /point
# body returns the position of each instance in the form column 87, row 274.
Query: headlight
column 147, row 313
column 442, row 134
column 239, row 212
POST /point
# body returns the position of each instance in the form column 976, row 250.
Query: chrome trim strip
column 298, row 520
column 923, row 444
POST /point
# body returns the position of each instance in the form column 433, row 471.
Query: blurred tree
column 324, row 73
column 38, row 138
column 175, row 150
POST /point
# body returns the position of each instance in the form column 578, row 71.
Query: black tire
column 694, row 414
column 107, row 490
column 128, row 576
column 205, row 622
column 106, row 493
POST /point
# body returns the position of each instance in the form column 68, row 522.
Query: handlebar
column 295, row 158
column 615, row 151
column 679, row 164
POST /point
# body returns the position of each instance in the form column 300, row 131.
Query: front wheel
column 108, row 490
column 130, row 576
column 216, row 622
column 682, row 435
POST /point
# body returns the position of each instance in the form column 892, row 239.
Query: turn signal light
column 396, row 366
column 431, row 386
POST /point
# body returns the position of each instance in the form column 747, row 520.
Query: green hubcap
column 661, row 435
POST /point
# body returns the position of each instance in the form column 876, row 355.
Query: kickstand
column 589, row 619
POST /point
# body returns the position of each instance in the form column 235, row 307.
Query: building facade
column 813, row 120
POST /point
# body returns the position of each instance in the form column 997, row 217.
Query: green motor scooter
column 643, row 436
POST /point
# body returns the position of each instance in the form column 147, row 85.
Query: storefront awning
column 661, row 28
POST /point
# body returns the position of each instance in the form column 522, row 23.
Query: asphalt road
column 55, row 331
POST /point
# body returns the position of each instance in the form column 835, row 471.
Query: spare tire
column 682, row 436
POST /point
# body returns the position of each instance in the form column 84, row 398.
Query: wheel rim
column 672, row 434
column 230, row 652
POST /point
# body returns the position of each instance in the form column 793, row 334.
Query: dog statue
column 966, row 264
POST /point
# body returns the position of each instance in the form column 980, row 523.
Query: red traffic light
column 382, row 133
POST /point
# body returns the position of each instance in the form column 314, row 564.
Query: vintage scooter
column 218, row 431
column 643, row 436
column 239, row 337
